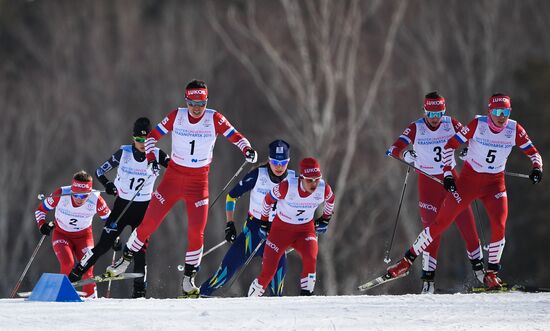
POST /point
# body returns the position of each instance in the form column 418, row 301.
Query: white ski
column 28, row 294
column 379, row 281
column 105, row 278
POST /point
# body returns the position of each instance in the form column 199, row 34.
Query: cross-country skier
column 491, row 139
column 259, row 182
column 194, row 131
column 75, row 207
column 428, row 135
column 297, row 199
column 133, row 179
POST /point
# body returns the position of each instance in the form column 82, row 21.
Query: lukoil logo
column 272, row 246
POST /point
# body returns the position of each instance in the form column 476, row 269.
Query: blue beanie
column 279, row 150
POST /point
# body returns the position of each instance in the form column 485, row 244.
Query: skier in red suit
column 297, row 199
column 194, row 132
column 428, row 135
column 491, row 139
column 75, row 207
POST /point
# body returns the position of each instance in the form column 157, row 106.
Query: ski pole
column 42, row 196
column 181, row 267
column 515, row 174
column 388, row 251
column 485, row 247
column 247, row 261
column 228, row 183
column 417, row 169
column 131, row 201
column 108, row 294
column 16, row 288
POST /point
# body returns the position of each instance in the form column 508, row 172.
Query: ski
column 196, row 296
column 379, row 281
column 106, row 278
column 28, row 294
column 510, row 288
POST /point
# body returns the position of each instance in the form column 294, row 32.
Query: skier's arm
column 404, row 140
column 102, row 209
column 45, row 206
column 461, row 137
column 165, row 126
column 278, row 192
column 164, row 159
column 527, row 147
column 107, row 166
column 245, row 185
column 225, row 128
column 329, row 202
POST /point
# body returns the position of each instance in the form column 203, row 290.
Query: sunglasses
column 434, row 114
column 501, row 111
column 311, row 179
column 192, row 103
column 279, row 162
column 81, row 196
column 139, row 139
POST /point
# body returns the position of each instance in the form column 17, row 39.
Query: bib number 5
column 491, row 155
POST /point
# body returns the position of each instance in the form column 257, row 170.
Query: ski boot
column 255, row 289
column 188, row 287
column 139, row 289
column 402, row 267
column 306, row 293
column 478, row 269
column 76, row 273
column 121, row 265
column 81, row 267
column 428, row 286
column 491, row 280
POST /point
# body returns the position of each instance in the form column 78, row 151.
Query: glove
column 47, row 228
column 409, row 156
column 449, row 183
column 321, row 224
column 110, row 188
column 154, row 167
column 250, row 155
column 110, row 226
column 117, row 245
column 230, row 232
column 265, row 226
column 463, row 153
column 536, row 175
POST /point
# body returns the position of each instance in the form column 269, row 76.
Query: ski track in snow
column 497, row 311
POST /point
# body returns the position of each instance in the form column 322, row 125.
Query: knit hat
column 309, row 167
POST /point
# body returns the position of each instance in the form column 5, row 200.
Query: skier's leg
column 306, row 245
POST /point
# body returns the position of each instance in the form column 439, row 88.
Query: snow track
column 497, row 311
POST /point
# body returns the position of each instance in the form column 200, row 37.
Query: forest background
column 338, row 80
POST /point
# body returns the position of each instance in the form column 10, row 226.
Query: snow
column 496, row 311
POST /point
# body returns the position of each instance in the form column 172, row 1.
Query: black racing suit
column 132, row 217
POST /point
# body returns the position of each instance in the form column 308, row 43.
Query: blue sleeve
column 246, row 184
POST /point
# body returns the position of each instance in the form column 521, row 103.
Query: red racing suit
column 482, row 178
column 428, row 143
column 72, row 235
column 293, row 226
column 187, row 175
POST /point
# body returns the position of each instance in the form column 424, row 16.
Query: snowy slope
column 503, row 311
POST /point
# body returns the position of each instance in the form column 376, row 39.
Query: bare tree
column 319, row 88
